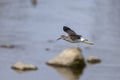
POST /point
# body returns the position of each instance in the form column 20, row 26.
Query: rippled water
column 34, row 27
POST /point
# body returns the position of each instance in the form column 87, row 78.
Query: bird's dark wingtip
column 65, row 28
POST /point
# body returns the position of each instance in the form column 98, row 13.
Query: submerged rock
column 7, row 46
column 50, row 41
column 70, row 57
column 93, row 60
column 23, row 66
column 47, row 49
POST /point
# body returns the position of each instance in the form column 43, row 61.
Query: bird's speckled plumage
column 73, row 37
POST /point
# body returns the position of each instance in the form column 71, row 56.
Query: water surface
column 33, row 28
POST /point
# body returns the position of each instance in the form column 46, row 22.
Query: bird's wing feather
column 69, row 31
column 75, row 37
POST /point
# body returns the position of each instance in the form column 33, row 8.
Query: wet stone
column 23, row 66
column 7, row 46
column 70, row 57
column 93, row 60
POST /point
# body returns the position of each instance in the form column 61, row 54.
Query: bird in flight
column 73, row 37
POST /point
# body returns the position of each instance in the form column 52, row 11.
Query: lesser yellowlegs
column 73, row 37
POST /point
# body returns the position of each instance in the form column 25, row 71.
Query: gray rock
column 69, row 58
column 93, row 60
column 23, row 66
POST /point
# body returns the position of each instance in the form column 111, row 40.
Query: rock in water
column 70, row 57
column 23, row 66
column 93, row 60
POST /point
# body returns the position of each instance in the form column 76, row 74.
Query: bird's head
column 62, row 37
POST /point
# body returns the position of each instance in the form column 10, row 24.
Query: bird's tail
column 88, row 42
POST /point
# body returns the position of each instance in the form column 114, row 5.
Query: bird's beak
column 58, row 38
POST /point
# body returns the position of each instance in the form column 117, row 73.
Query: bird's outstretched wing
column 71, row 33
column 68, row 31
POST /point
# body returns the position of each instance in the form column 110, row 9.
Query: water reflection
column 23, row 72
column 69, row 73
